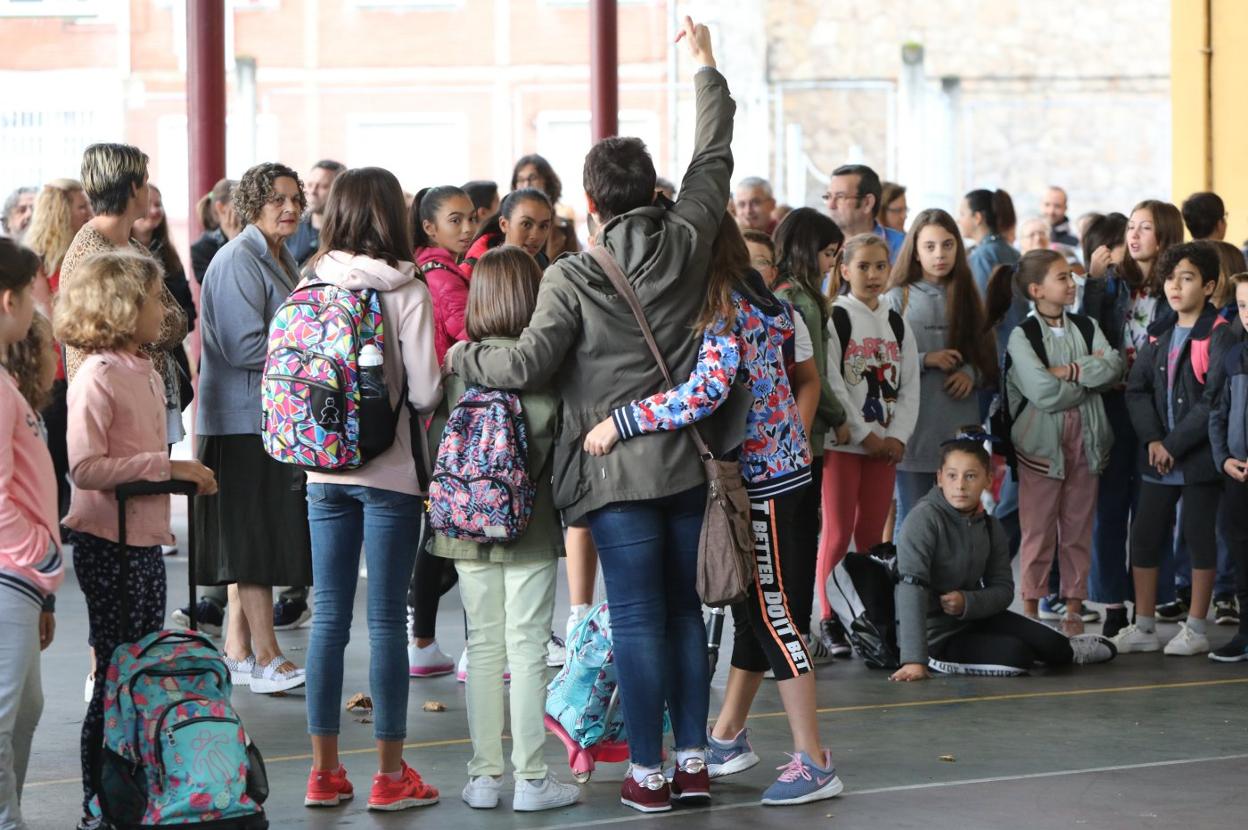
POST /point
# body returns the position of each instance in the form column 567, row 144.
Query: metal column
column 604, row 80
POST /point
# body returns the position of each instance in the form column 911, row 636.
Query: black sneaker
column 1172, row 611
column 1236, row 651
column 1115, row 621
column 833, row 635
column 290, row 614
column 209, row 617
column 1225, row 610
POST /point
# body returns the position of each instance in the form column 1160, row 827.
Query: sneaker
column 1225, row 610
column 168, row 550
column 556, row 652
column 691, row 781
column 819, row 653
column 328, row 788
column 280, row 675
column 1115, row 620
column 802, row 781
column 1171, row 611
column 834, row 640
column 652, row 795
column 429, row 661
column 481, row 792
column 240, row 670
column 1132, row 639
column 88, row 691
column 1052, row 608
column 408, row 791
column 548, row 793
column 1089, row 615
column 461, row 670
column 1236, row 651
column 290, row 614
column 729, row 758
column 1092, row 648
column 1187, row 643
column 209, row 616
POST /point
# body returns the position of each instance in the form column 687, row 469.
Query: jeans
column 911, row 487
column 340, row 518
column 649, row 556
column 1118, row 492
column 21, row 699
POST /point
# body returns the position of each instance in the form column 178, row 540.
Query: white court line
column 907, row 787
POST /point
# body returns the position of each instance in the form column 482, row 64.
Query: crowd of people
column 965, row 386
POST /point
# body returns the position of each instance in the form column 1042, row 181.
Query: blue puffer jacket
column 1228, row 415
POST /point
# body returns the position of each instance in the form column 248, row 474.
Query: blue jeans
column 1118, row 491
column 910, row 488
column 341, row 517
column 649, row 556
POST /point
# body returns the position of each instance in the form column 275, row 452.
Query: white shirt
column 803, row 348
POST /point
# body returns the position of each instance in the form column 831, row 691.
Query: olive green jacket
column 830, row 413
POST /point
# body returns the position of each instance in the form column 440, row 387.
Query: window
column 51, row 8
column 421, row 149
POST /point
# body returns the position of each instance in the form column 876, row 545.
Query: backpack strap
column 1035, row 336
column 840, row 322
column 434, row 265
column 1084, row 323
column 898, row 324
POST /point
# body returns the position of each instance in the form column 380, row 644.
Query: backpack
column 844, row 328
column 864, row 602
column 580, row 697
column 314, row 414
column 481, row 489
column 175, row 751
column 1000, row 419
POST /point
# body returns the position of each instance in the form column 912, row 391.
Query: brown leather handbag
column 726, row 547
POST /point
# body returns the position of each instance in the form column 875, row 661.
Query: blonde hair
column 110, row 172
column 25, row 359
column 852, row 247
column 97, row 309
column 50, row 231
column 503, row 293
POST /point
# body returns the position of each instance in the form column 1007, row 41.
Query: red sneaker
column 408, row 791
column 692, row 782
column 328, row 788
column 651, row 796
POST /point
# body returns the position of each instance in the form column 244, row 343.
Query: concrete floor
column 1145, row 741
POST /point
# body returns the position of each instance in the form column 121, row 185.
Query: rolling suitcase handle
column 133, row 489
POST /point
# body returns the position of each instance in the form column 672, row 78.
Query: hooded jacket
column 407, row 351
column 943, row 550
column 448, row 286
column 1228, row 411
column 585, row 340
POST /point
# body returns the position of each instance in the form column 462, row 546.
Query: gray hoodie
column 943, row 550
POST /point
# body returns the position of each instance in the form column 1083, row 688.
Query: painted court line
column 907, row 704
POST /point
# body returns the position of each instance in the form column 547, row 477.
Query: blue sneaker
column 801, row 781
column 1052, row 608
column 729, row 758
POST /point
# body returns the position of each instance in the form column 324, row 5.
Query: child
column 523, row 219
column 443, row 222
column 873, row 365
column 956, row 585
column 804, row 254
column 747, row 330
column 1170, row 411
column 509, row 588
column 31, row 568
column 117, row 434
column 1059, row 429
column 365, row 245
column 1228, row 434
column 935, row 292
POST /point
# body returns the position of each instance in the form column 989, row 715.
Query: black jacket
column 202, row 252
column 1200, row 368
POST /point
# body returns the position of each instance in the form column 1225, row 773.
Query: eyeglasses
column 904, row 211
column 760, row 263
column 837, row 198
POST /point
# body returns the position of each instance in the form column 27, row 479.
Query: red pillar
column 604, row 78
column 205, row 99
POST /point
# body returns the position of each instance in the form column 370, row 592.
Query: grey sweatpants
column 21, row 699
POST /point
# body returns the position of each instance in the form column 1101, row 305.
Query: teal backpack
column 581, row 695
column 175, row 751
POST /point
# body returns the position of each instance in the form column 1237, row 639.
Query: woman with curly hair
column 254, row 535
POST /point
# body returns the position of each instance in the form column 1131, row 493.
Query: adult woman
column 220, row 226
column 893, row 209
column 983, row 217
column 254, row 534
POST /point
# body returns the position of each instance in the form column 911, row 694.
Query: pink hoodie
column 30, row 556
column 448, row 285
column 408, row 349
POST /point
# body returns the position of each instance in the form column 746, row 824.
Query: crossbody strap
column 616, row 274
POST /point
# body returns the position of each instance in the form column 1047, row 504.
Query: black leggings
column 1235, row 512
column 1154, row 521
column 804, row 553
column 1005, row 640
column 432, row 577
column 764, row 632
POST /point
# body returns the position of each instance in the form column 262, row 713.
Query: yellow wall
column 1209, row 105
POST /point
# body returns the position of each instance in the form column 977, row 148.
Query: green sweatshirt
column 830, row 413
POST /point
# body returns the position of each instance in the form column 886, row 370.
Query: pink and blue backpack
column 314, row 414
column 175, row 751
column 481, row 489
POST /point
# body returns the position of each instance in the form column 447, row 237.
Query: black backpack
column 841, row 322
column 1000, row 419
column 866, row 606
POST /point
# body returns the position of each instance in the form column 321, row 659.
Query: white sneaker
column 1132, row 639
column 546, row 794
column 271, row 679
column 89, row 691
column 429, row 661
column 1092, row 648
column 1187, row 643
column 481, row 792
column 461, row 670
column 240, row 670
column 556, row 652
column 819, row 653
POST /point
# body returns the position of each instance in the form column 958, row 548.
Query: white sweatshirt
column 877, row 380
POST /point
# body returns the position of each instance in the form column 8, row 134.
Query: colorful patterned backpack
column 175, row 752
column 582, row 695
column 481, row 490
column 314, row 415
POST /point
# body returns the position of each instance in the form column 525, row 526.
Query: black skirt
column 255, row 530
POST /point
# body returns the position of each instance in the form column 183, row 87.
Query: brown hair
column 366, row 215
column 964, row 309
column 18, row 265
column 889, row 193
column 1168, row 227
column 256, row 187
column 1031, row 269
column 730, row 259
column 97, row 309
column 162, row 247
column 1233, row 263
column 759, row 238
column 24, row 360
column 503, row 293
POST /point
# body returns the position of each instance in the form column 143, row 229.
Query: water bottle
column 372, row 373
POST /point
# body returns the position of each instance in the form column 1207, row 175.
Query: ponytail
column 1031, row 269
column 425, row 209
column 999, row 296
column 996, row 207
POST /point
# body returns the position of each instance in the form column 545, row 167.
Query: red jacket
column 448, row 285
column 477, row 250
